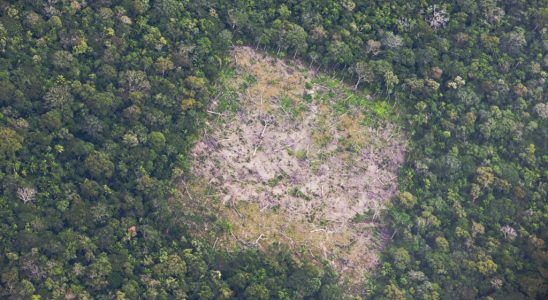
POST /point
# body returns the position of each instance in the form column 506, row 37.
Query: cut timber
column 298, row 167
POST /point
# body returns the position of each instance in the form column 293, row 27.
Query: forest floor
column 299, row 159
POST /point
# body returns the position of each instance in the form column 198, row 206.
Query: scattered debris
column 294, row 170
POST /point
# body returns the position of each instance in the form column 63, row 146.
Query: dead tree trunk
column 358, row 83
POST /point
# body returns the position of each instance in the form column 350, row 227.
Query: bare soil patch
column 292, row 167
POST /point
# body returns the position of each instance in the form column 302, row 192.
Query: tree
column 58, row 96
column 390, row 81
column 392, row 291
column 364, row 73
column 330, row 292
column 136, row 81
column 237, row 18
column 373, row 47
column 224, row 41
column 490, row 11
column 3, row 38
column 98, row 271
column 171, row 266
column 99, row 166
column 284, row 12
column 508, row 232
column 10, row 141
column 392, row 41
column 542, row 110
column 166, row 9
column 407, row 199
column 137, row 7
column 26, row 194
column 256, row 291
column 514, row 41
column 157, row 139
column 163, row 65
column 306, row 280
column 62, row 60
column 290, row 36
column 339, row 52
column 401, row 258
column 437, row 17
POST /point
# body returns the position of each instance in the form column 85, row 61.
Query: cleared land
column 299, row 159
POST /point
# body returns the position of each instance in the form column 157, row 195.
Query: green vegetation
column 101, row 101
column 471, row 77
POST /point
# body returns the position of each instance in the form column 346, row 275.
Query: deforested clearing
column 300, row 159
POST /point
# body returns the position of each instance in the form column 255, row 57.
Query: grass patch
column 381, row 108
column 301, row 154
column 289, row 106
column 272, row 182
column 296, row 192
column 360, row 218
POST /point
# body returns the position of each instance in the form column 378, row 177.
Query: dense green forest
column 101, row 100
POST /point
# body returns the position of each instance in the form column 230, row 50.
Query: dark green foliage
column 101, row 100
column 473, row 89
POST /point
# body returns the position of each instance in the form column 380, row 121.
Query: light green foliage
column 10, row 141
column 401, row 258
column 407, row 199
column 157, row 139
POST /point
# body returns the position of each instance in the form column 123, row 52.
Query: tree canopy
column 101, row 101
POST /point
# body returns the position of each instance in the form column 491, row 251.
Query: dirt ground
column 292, row 168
